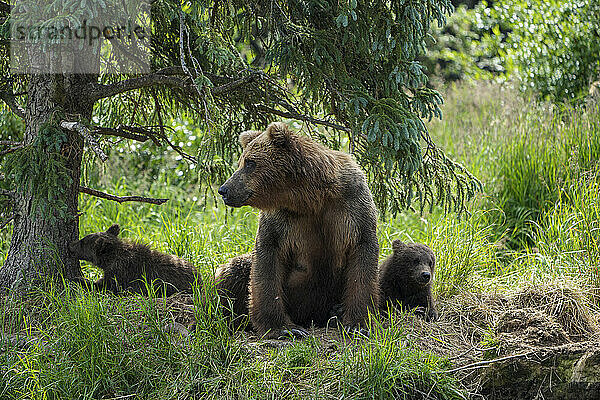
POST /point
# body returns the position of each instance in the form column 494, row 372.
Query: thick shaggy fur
column 232, row 281
column 406, row 277
column 316, row 244
column 125, row 264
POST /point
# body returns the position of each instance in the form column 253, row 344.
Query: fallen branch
column 482, row 364
column 87, row 135
column 119, row 199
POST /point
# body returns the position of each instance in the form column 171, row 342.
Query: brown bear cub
column 232, row 282
column 316, row 244
column 126, row 263
column 406, row 278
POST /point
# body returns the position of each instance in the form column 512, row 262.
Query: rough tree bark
column 39, row 245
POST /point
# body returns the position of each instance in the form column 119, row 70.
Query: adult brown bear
column 316, row 244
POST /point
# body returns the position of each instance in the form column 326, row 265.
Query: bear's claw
column 357, row 331
column 292, row 333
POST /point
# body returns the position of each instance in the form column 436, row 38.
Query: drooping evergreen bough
column 345, row 69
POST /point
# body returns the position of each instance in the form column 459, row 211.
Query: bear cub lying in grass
column 126, row 263
column 406, row 276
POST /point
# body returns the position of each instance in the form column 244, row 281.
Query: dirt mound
column 566, row 305
column 525, row 328
column 508, row 345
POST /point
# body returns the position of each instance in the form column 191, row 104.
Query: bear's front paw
column 420, row 312
column 295, row 332
column 432, row 315
column 356, row 330
column 336, row 311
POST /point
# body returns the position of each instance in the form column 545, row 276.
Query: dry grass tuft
column 567, row 305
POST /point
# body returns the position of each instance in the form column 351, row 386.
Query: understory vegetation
column 536, row 222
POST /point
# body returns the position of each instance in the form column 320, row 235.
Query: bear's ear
column 248, row 136
column 280, row 134
column 114, row 230
column 397, row 244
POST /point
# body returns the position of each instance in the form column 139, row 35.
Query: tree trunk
column 39, row 245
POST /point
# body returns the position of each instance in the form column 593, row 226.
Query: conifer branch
column 141, row 131
column 6, row 222
column 173, row 77
column 87, row 135
column 9, row 100
column 233, row 85
column 158, row 109
column 11, row 149
column 10, row 143
column 120, row 199
column 102, row 91
column 120, row 133
column 302, row 117
column 186, row 70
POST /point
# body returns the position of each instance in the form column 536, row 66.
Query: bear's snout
column 234, row 191
column 223, row 190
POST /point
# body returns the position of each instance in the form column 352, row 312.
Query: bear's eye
column 249, row 165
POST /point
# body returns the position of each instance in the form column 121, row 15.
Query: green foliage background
column 551, row 47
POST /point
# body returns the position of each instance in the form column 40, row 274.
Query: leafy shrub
column 552, row 47
column 554, row 44
column 468, row 46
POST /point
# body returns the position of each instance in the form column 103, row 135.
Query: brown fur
column 406, row 277
column 232, row 283
column 316, row 244
column 125, row 263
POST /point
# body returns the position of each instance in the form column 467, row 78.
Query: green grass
column 101, row 346
column 537, row 221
